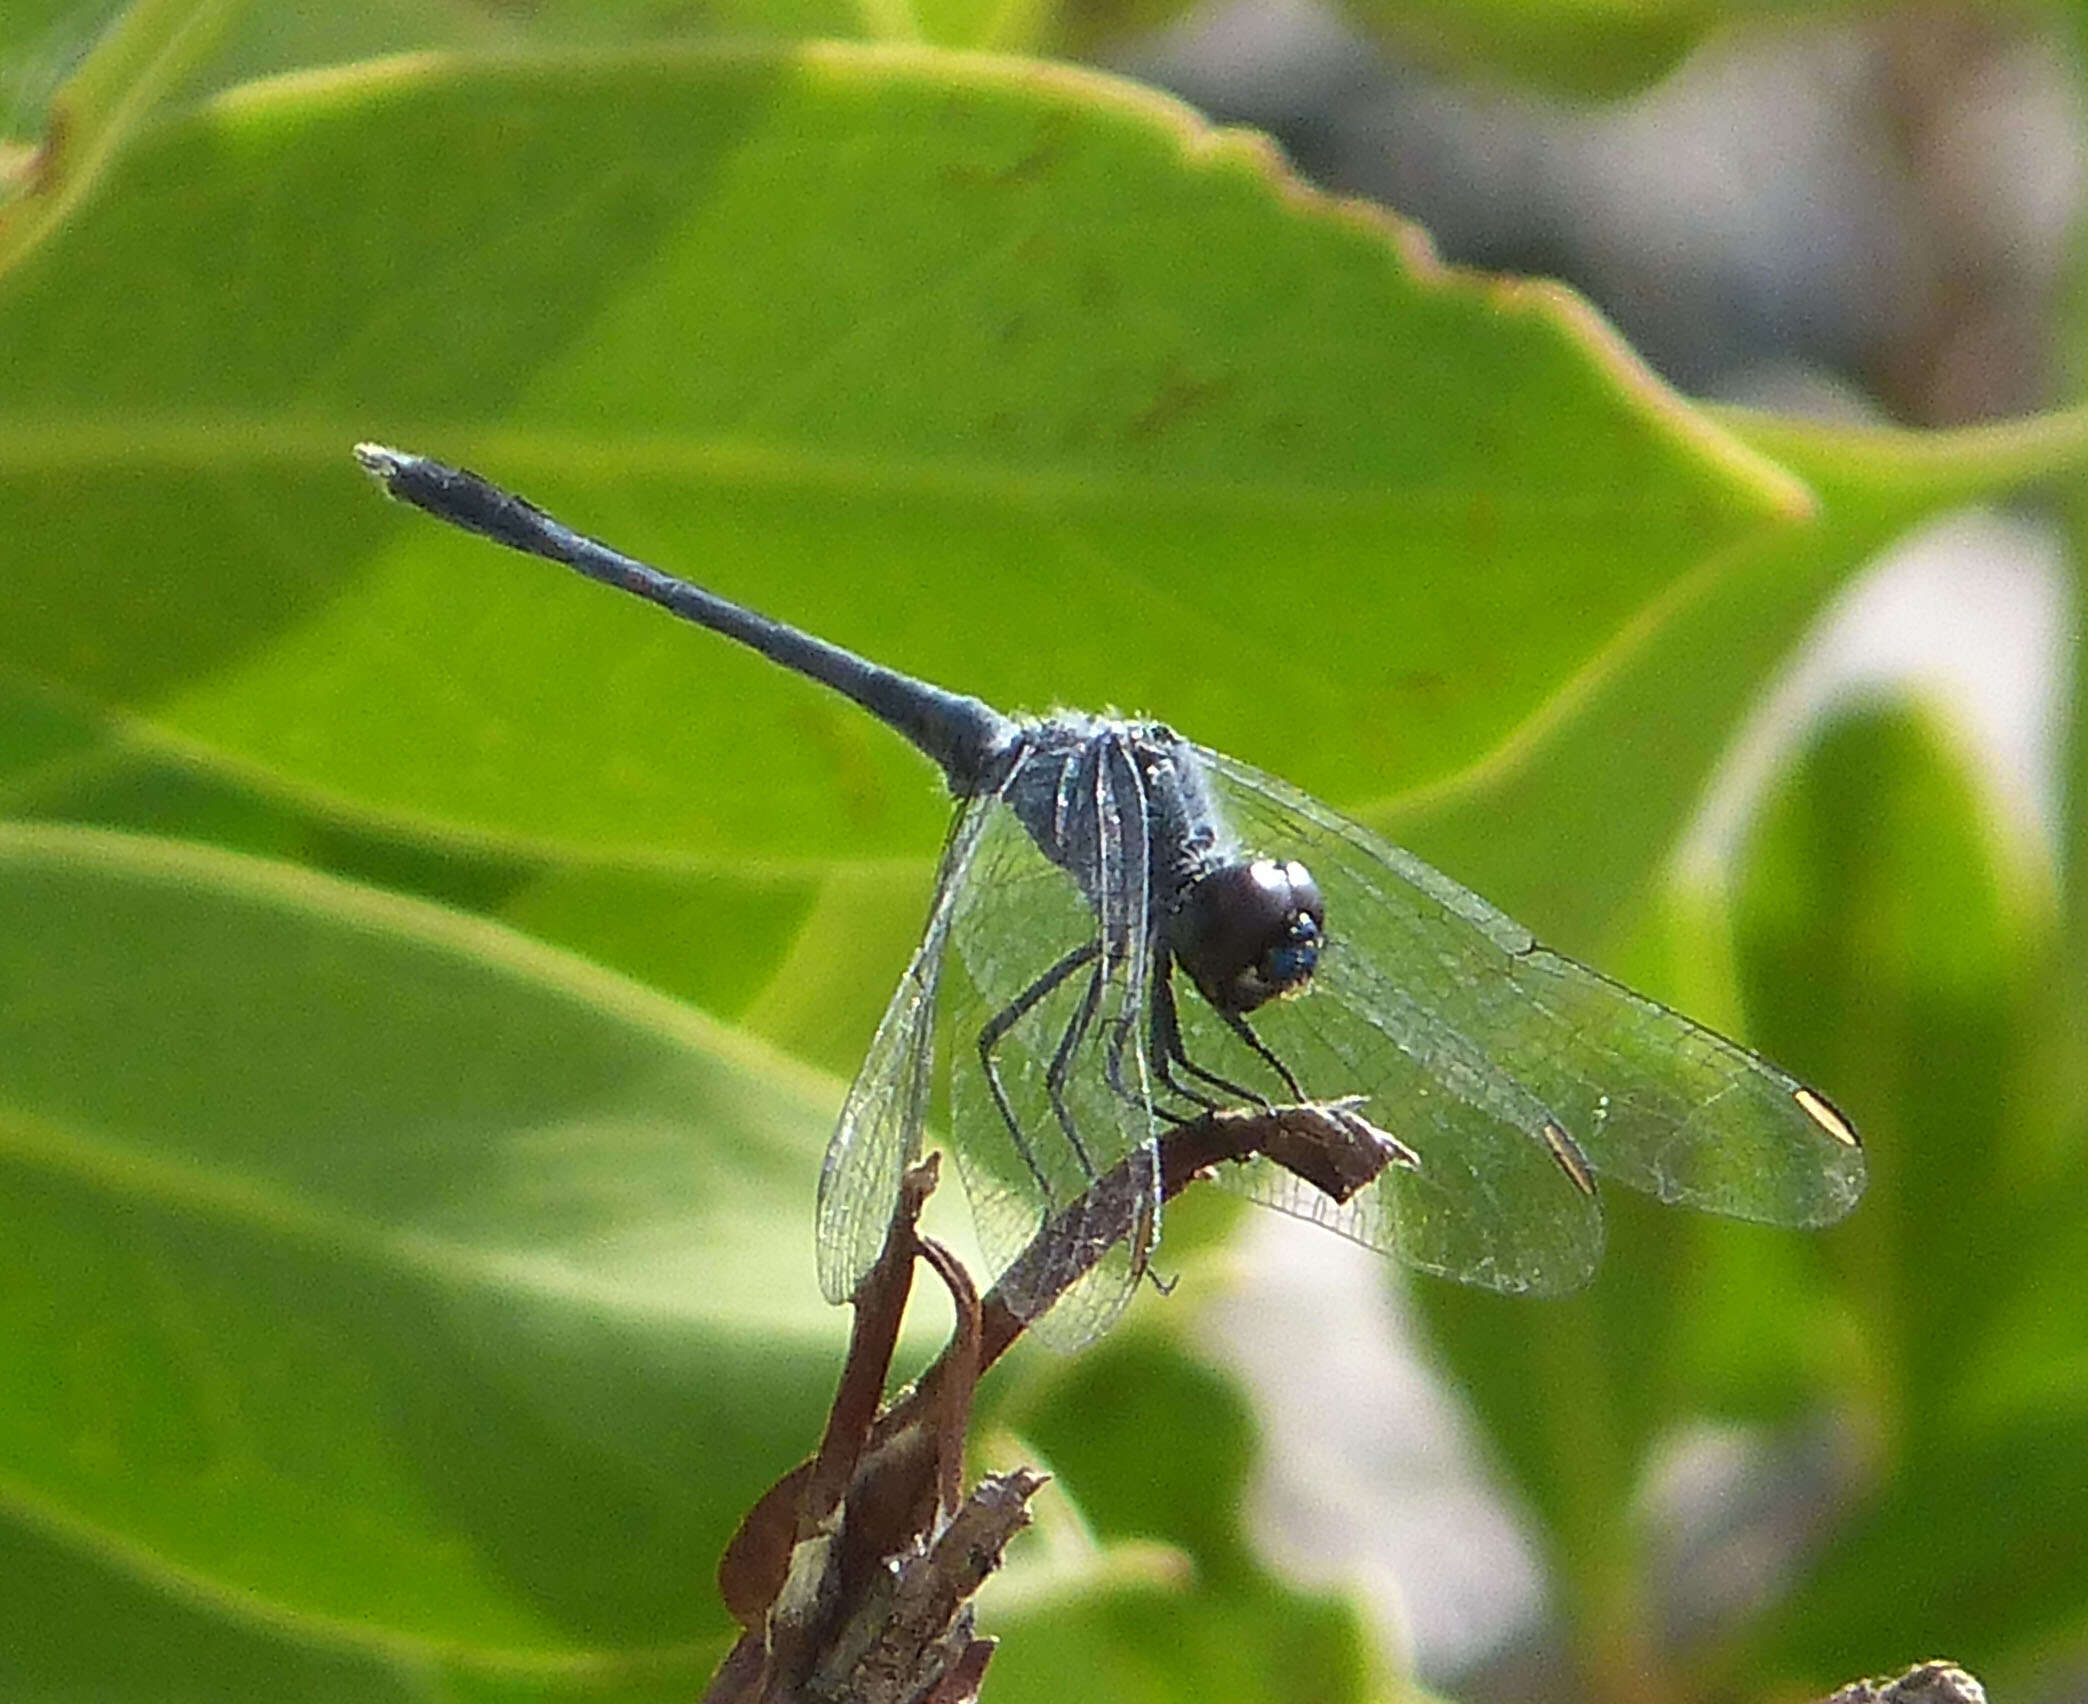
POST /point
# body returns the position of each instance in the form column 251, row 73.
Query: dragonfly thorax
column 1249, row 932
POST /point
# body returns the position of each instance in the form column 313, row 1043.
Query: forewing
column 879, row 1133
column 1073, row 1144
column 1498, row 1199
column 1654, row 1101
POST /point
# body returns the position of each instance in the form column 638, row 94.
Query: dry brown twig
column 853, row 1575
column 1934, row 1682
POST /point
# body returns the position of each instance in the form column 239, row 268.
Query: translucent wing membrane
column 1023, row 1015
column 1653, row 1100
column 879, row 1134
column 1046, row 994
column 1498, row 1199
column 1494, row 1201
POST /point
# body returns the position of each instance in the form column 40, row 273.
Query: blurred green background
column 426, row 983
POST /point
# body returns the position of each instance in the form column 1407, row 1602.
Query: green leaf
column 1588, row 48
column 1894, row 948
column 814, row 326
column 1690, row 1318
column 93, row 76
column 1895, row 944
column 801, row 959
column 1542, row 825
column 391, row 1290
column 81, row 1625
column 1156, row 1448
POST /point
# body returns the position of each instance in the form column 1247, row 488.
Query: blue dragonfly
column 1130, row 931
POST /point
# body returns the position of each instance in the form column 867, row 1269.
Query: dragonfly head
column 1250, row 932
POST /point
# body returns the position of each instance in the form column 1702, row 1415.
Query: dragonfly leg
column 1169, row 1050
column 999, row 1025
column 1164, row 1042
column 1062, row 1063
column 1245, row 1031
column 1157, row 1060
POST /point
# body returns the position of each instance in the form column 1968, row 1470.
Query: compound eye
column 1291, row 953
column 1305, row 894
column 1250, row 932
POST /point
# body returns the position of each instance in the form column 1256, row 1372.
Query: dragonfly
column 1130, row 931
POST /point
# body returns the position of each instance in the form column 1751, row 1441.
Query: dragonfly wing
column 1500, row 1197
column 1056, row 978
column 1676, row 1110
column 1654, row 1101
column 879, row 1132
